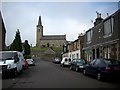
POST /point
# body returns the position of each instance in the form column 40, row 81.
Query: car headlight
column 9, row 66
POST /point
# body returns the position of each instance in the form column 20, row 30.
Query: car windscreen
column 8, row 56
column 69, row 59
column 29, row 59
column 80, row 61
column 65, row 59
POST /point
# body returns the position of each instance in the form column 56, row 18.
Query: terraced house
column 103, row 40
column 74, row 49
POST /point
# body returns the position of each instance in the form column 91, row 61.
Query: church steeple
column 39, row 21
column 39, row 32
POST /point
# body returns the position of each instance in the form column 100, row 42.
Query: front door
column 98, row 54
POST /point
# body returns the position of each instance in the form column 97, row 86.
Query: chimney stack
column 98, row 19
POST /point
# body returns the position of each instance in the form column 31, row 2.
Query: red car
column 25, row 64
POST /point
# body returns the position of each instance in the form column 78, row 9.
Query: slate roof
column 54, row 37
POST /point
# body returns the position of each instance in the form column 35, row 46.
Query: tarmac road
column 46, row 74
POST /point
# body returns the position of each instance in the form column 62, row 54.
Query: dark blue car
column 103, row 69
column 78, row 64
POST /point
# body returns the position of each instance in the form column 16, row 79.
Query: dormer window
column 108, row 27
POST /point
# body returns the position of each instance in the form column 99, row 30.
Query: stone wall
column 54, row 43
column 47, row 55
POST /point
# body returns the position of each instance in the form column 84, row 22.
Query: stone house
column 103, row 40
column 74, row 49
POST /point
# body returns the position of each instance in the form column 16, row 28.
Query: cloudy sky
column 70, row 18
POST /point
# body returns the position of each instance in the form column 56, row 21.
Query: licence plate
column 80, row 66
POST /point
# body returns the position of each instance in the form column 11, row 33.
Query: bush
column 27, row 56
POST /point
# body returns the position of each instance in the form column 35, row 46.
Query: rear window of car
column 80, row 61
column 66, row 59
column 69, row 59
column 29, row 59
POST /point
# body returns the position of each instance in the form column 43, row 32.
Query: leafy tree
column 26, row 47
column 17, row 44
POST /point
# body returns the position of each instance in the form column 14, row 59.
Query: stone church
column 48, row 40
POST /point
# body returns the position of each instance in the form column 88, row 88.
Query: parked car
column 66, row 61
column 103, row 68
column 11, row 63
column 57, row 60
column 31, row 62
column 78, row 64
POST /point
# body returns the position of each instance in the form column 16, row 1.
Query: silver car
column 30, row 62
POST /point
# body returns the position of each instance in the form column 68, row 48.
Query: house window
column 78, row 45
column 109, row 52
column 77, row 55
column 89, row 36
column 108, row 26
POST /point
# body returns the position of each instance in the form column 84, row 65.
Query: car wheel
column 99, row 76
column 76, row 69
column 21, row 71
column 84, row 72
column 15, row 74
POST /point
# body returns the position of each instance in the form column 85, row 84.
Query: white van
column 11, row 62
column 66, row 61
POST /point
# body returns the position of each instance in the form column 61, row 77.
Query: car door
column 74, row 64
column 90, row 67
column 16, row 60
column 95, row 67
column 19, row 63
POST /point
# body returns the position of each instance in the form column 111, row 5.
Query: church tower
column 39, row 34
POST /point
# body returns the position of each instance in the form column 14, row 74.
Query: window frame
column 110, row 22
column 89, row 36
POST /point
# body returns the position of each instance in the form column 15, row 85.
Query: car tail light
column 107, row 69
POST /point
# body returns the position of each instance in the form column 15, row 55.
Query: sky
column 58, row 18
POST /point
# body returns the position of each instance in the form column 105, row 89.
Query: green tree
column 26, row 47
column 17, row 43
